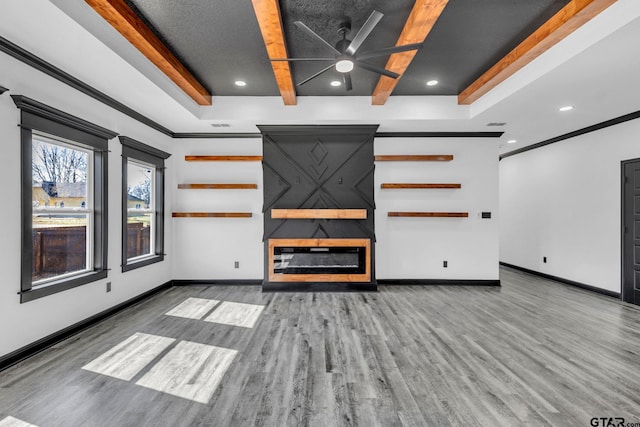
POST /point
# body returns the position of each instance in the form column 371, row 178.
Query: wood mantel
column 319, row 213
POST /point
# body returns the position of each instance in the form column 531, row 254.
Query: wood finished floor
column 533, row 352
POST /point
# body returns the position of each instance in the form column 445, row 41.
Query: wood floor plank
column 193, row 308
column 190, row 370
column 236, row 314
column 128, row 358
column 14, row 422
column 533, row 352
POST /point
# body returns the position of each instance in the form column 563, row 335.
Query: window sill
column 63, row 285
column 142, row 262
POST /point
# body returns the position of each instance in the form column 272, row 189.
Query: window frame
column 87, row 211
column 140, row 152
column 151, row 212
column 41, row 118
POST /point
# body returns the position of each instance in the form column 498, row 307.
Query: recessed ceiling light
column 566, row 108
column 432, row 82
column 335, row 83
column 240, row 83
column 344, row 65
column 511, row 141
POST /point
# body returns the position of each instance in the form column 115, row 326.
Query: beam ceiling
column 421, row 20
column 567, row 20
column 127, row 23
column 270, row 22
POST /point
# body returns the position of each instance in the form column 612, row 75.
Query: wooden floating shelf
column 223, row 158
column 319, row 213
column 217, row 186
column 211, row 214
column 416, row 158
column 430, row 214
column 407, row 185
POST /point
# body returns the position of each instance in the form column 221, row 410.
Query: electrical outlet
column 108, row 286
column 236, row 264
column 445, row 264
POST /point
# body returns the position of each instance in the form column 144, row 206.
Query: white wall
column 207, row 248
column 415, row 248
column 21, row 324
column 563, row 201
column 407, row 248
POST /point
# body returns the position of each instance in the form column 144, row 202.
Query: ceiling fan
column 345, row 52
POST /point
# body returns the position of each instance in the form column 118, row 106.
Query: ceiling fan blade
column 301, row 59
column 364, row 32
column 390, row 50
column 315, row 75
column 313, row 34
column 378, row 70
column 347, row 81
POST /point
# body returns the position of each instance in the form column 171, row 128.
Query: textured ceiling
column 220, row 41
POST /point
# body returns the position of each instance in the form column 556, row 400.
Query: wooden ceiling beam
column 270, row 22
column 421, row 20
column 567, row 20
column 126, row 22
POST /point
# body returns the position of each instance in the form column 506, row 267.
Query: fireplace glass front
column 319, row 260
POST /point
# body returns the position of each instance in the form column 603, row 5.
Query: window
column 142, row 204
column 64, row 208
column 140, row 210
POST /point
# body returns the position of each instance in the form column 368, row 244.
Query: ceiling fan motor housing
column 342, row 45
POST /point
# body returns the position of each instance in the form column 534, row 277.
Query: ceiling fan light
column 344, row 65
column 335, row 83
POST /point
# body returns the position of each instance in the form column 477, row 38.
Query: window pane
column 140, row 209
column 60, row 189
column 59, row 245
column 59, row 175
column 138, row 235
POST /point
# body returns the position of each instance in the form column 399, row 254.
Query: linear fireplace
column 319, row 260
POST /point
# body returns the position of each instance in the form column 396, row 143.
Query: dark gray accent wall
column 318, row 167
